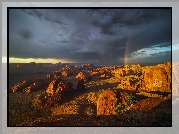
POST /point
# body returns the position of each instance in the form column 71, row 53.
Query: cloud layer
column 104, row 36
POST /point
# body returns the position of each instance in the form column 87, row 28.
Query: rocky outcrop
column 111, row 102
column 19, row 87
column 87, row 66
column 58, row 90
column 31, row 85
column 118, row 73
column 57, row 74
column 54, row 93
column 157, row 78
column 106, row 75
column 64, row 73
column 55, row 87
column 95, row 73
column 149, row 78
column 147, row 104
column 85, row 76
column 105, row 103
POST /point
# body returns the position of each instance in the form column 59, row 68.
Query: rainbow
column 127, row 42
column 125, row 52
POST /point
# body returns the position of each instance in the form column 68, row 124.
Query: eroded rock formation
column 157, row 78
column 85, row 76
column 105, row 103
column 31, row 85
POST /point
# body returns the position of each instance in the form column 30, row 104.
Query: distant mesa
column 33, row 65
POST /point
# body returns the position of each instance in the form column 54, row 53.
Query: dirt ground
column 79, row 109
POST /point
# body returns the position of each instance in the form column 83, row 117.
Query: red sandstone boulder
column 157, row 79
column 64, row 73
column 56, row 86
column 85, row 76
column 105, row 103
column 58, row 90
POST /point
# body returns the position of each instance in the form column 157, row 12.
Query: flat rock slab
column 147, row 104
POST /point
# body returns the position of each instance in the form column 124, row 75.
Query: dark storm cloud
column 25, row 33
column 64, row 41
column 56, row 20
column 38, row 14
column 103, row 35
column 43, row 41
column 129, row 18
column 61, row 35
column 118, row 48
column 33, row 12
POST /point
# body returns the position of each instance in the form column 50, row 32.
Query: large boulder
column 118, row 73
column 85, row 76
column 56, row 86
column 105, row 103
column 156, row 79
column 87, row 66
column 111, row 102
column 64, row 73
column 55, row 92
column 57, row 74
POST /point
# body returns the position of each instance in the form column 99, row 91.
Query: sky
column 98, row 36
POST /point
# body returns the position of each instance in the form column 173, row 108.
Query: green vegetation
column 122, row 107
column 130, row 100
column 116, row 101
column 119, row 109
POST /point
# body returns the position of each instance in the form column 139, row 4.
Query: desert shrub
column 162, row 118
column 116, row 101
column 119, row 109
column 130, row 99
column 122, row 107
